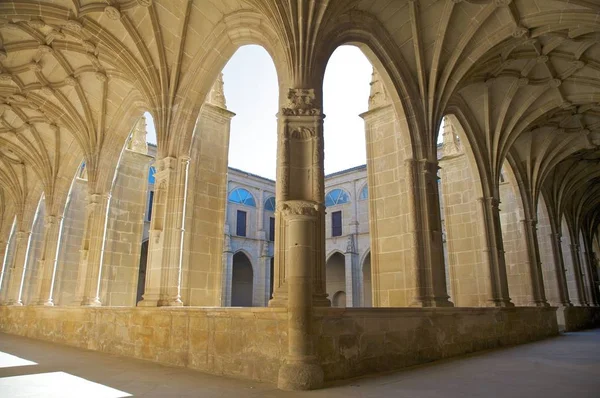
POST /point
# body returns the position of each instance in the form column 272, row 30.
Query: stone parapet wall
column 354, row 342
column 244, row 343
column 571, row 319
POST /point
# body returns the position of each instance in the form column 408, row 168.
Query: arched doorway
column 336, row 279
column 241, row 281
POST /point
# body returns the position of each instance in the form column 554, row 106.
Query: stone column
column 163, row 272
column 578, row 274
column 227, row 269
column 15, row 284
column 300, row 244
column 301, row 370
column 264, row 266
column 92, row 250
column 426, row 225
column 47, row 262
column 300, row 156
column 563, row 290
column 353, row 280
column 592, row 272
column 494, row 252
column 535, row 264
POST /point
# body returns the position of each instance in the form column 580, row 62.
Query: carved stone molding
column 301, row 102
column 298, row 208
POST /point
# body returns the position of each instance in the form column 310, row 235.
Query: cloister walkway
column 565, row 366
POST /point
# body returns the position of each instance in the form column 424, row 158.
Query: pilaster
column 48, row 260
column 535, row 264
column 563, row 290
column 163, row 272
column 582, row 296
column 494, row 252
column 426, row 233
column 353, row 274
column 92, row 250
column 17, row 272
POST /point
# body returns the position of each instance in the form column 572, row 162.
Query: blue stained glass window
column 242, row 196
column 336, row 197
column 364, row 193
column 151, row 173
column 270, row 204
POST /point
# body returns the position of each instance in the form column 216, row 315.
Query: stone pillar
column 163, row 272
column 227, row 269
column 300, row 244
column 301, row 370
column 264, row 275
column 17, row 272
column 494, row 252
column 535, row 264
column 427, row 245
column 592, row 272
column 563, row 290
column 48, row 260
column 92, row 250
column 578, row 274
column 300, row 156
column 353, row 279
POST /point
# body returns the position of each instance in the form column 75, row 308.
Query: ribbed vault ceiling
column 522, row 75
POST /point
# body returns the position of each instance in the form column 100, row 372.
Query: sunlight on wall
column 9, row 361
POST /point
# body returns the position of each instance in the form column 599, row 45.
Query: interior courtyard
column 472, row 224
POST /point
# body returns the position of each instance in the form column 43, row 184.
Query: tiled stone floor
column 567, row 367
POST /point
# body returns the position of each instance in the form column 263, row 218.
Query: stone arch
column 242, row 280
column 339, row 299
column 336, row 275
column 460, row 191
column 9, row 252
column 332, row 253
column 32, row 276
column 512, row 214
column 235, row 30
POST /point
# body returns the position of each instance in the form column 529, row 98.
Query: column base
column 540, row 304
column 45, row 303
column 280, row 300
column 13, row 303
column 431, row 302
column 92, row 302
column 176, row 302
column 500, row 303
column 296, row 375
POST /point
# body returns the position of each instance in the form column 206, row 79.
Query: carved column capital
column 301, row 102
column 299, row 208
column 22, row 235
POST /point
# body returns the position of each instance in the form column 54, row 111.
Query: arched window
column 270, row 204
column 242, row 196
column 151, row 173
column 336, row 197
column 364, row 193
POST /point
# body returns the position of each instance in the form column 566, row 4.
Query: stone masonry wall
column 245, row 343
column 354, row 342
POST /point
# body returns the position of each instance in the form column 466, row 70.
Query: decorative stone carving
column 578, row 64
column 4, row 77
column 520, row 31
column 70, row 81
column 73, row 26
column 350, row 247
column 144, row 3
column 542, row 59
column 44, row 49
column 594, row 138
column 377, row 96
column 47, row 90
column 298, row 208
column 451, row 145
column 216, row 96
column 88, row 46
column 112, row 13
column 523, row 82
column 555, row 83
column 301, row 102
column 35, row 67
column 265, row 249
column 101, row 76
column 138, row 137
column 302, row 133
column 37, row 23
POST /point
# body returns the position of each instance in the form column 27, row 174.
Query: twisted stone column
column 494, row 252
column 563, row 290
column 163, row 272
column 17, row 273
column 535, row 264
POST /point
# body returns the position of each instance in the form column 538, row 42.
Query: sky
column 251, row 93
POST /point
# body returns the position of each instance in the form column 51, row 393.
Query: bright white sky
column 251, row 92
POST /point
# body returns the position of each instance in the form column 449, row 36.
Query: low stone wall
column 247, row 343
column 354, row 342
column 571, row 319
column 252, row 342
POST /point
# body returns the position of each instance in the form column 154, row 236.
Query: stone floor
column 566, row 366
